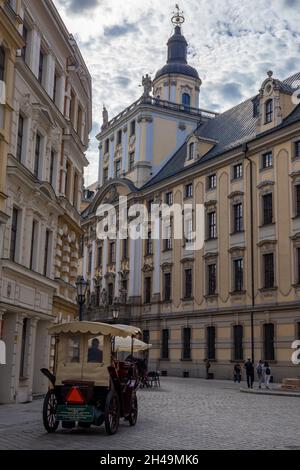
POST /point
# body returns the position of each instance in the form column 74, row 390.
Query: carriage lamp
column 81, row 286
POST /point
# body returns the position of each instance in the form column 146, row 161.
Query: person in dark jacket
column 249, row 373
column 237, row 373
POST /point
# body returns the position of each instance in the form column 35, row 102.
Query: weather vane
column 178, row 16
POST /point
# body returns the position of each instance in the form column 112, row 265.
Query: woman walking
column 267, row 375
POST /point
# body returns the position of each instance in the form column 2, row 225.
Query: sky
column 232, row 43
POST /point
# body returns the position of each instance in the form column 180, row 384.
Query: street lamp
column 81, row 286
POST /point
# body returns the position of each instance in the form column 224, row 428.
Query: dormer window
column 269, row 111
column 186, row 100
column 191, row 150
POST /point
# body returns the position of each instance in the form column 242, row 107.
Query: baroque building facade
column 239, row 295
column 51, row 121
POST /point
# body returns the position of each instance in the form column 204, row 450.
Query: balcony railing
column 201, row 113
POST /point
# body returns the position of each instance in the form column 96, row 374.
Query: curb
column 278, row 393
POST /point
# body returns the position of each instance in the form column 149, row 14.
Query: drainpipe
column 245, row 150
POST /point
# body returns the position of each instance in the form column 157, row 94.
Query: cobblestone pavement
column 183, row 414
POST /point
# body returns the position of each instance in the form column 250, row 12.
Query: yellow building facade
column 238, row 295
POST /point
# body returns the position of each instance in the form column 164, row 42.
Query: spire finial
column 178, row 16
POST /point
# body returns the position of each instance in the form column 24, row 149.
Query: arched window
column 186, row 100
column 2, row 63
column 269, row 111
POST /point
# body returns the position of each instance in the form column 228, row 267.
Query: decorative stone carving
column 105, row 116
column 148, row 85
column 104, row 297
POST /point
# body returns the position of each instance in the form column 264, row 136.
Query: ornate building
column 51, row 121
column 10, row 42
column 238, row 296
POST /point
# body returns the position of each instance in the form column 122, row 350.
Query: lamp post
column 81, row 286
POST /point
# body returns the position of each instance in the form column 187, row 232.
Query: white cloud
column 232, row 44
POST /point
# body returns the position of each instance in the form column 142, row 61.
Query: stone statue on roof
column 147, row 84
column 105, row 116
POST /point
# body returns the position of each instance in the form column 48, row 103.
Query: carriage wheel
column 134, row 411
column 112, row 413
column 49, row 412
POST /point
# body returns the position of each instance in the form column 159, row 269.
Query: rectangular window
column 212, row 225
column 297, row 149
column 149, row 245
column 75, row 190
column 2, row 63
column 165, row 344
column 25, row 39
column 188, row 275
column 41, row 66
column 212, row 279
column 238, row 221
column 168, row 242
column 298, row 265
column 267, row 160
column 269, row 351
column 99, row 256
column 268, row 263
column 211, row 343
column 238, row 171
column 112, row 253
column 105, row 175
column 124, row 285
column 111, row 289
column 238, row 353
column 269, row 111
column 191, row 151
column 119, row 137
column 146, row 336
column 72, row 108
column 37, row 155
column 212, row 182
column 14, row 233
column 90, row 257
column 79, row 121
column 106, row 146
column 23, row 361
column 132, row 128
column 52, row 165
column 125, row 248
column 46, row 253
column 169, row 199
column 131, row 161
column 118, row 169
column 267, row 202
column 33, row 244
column 20, row 138
column 186, row 347
column 56, row 78
column 238, row 274
column 297, row 200
column 189, row 190
column 147, row 290
column 188, row 231
column 167, row 287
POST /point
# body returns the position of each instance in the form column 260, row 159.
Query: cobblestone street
column 183, row 414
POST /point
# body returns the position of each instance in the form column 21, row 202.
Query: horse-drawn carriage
column 89, row 385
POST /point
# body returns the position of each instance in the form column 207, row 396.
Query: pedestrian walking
column 237, row 373
column 259, row 371
column 267, row 375
column 249, row 373
column 207, row 366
